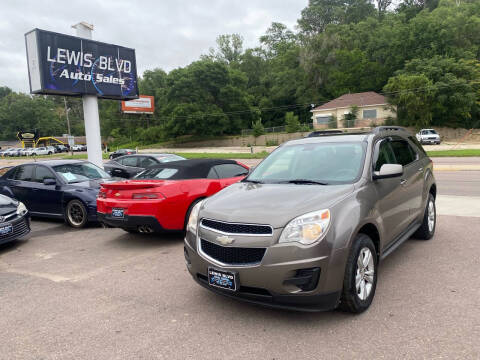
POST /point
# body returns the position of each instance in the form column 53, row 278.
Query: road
column 106, row 294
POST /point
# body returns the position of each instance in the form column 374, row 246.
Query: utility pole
column 66, row 113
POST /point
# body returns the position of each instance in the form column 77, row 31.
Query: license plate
column 222, row 279
column 6, row 229
column 117, row 213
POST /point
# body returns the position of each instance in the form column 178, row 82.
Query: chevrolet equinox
column 308, row 227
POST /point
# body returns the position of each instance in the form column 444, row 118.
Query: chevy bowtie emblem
column 117, row 194
column 225, row 240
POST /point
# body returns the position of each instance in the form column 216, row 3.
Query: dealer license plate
column 222, row 279
column 117, row 213
column 6, row 229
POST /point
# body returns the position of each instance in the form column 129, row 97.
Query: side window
column 129, row 161
column 145, row 161
column 225, row 171
column 41, row 173
column 403, row 152
column 11, row 173
column 419, row 146
column 24, row 173
column 385, row 155
column 212, row 174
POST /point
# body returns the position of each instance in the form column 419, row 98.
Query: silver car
column 309, row 226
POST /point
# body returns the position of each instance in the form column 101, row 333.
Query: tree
column 258, row 128
column 382, row 5
column 352, row 116
column 291, row 122
column 277, row 39
column 413, row 96
column 229, row 49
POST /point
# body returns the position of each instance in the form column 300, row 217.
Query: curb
column 466, row 167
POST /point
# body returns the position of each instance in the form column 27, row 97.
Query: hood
column 272, row 204
column 7, row 205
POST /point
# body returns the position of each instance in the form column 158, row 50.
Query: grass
column 454, row 153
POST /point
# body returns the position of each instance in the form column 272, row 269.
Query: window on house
column 323, row 120
column 370, row 114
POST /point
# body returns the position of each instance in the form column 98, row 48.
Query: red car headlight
column 147, row 196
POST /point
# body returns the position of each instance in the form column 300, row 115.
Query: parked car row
column 305, row 230
column 29, row 151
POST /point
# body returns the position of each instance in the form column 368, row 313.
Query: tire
column 76, row 214
column 187, row 215
column 360, row 282
column 429, row 223
column 34, row 154
column 49, row 153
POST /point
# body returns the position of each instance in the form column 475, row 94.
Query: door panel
column 47, row 198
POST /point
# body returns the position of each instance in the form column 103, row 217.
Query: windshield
column 157, row 173
column 429, row 132
column 323, row 163
column 78, row 172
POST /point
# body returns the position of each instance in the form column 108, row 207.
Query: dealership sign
column 61, row 64
column 143, row 105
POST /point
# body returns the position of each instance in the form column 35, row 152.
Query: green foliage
column 333, row 123
column 272, row 142
column 258, row 128
column 291, row 123
column 350, row 118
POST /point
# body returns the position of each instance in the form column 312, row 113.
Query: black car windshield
column 157, row 174
column 78, row 172
column 323, row 163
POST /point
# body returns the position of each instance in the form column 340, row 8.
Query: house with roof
column 373, row 109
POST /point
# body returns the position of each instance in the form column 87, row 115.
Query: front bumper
column 21, row 227
column 269, row 282
column 131, row 222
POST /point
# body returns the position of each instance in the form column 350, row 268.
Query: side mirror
column 49, row 181
column 388, row 171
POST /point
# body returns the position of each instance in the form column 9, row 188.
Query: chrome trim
column 233, row 223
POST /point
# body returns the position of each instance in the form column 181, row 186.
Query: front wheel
column 76, row 214
column 360, row 280
column 427, row 229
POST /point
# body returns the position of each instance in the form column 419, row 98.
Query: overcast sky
column 165, row 33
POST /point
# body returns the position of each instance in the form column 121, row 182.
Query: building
column 373, row 109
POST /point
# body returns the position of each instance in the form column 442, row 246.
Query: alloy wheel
column 365, row 273
column 431, row 216
column 76, row 214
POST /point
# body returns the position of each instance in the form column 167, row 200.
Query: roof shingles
column 358, row 99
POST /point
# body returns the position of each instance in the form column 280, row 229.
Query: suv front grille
column 232, row 255
column 235, row 228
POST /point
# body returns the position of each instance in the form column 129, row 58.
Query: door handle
column 403, row 181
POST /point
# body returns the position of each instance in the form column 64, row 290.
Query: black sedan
column 130, row 165
column 64, row 189
column 14, row 219
column 121, row 152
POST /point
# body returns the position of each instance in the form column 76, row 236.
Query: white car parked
column 40, row 151
column 428, row 136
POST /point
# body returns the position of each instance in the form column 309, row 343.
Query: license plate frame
column 222, row 279
column 118, row 213
column 6, row 229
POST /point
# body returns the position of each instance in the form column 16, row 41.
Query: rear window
column 157, row 174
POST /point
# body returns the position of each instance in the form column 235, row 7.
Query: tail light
column 102, row 194
column 147, row 196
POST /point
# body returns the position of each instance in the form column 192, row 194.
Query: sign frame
column 126, row 109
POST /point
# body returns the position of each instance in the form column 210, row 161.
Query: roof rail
column 379, row 129
column 324, row 133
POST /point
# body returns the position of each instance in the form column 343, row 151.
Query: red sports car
column 160, row 198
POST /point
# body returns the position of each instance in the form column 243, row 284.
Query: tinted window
column 129, row 161
column 403, row 152
column 158, row 173
column 417, row 144
column 225, row 171
column 212, row 174
column 41, row 173
column 24, row 173
column 385, row 155
column 145, row 162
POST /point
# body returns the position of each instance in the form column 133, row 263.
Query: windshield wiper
column 252, row 181
column 304, row 181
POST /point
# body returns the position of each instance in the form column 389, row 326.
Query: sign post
column 67, row 65
column 90, row 110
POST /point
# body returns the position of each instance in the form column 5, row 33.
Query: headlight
column 21, row 208
column 307, row 229
column 193, row 219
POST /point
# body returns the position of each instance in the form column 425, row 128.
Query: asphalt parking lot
column 106, row 294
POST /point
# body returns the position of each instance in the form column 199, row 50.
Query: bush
column 258, row 128
column 272, row 142
column 291, row 122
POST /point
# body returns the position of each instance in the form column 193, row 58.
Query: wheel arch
column 371, row 231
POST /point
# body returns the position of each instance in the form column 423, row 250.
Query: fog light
column 305, row 279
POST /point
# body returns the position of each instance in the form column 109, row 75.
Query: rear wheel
column 76, row 214
column 360, row 280
column 427, row 229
